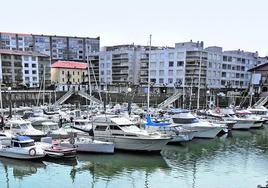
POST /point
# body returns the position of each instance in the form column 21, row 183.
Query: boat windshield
column 27, row 144
column 185, row 120
column 24, row 126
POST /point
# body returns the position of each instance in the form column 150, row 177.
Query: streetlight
column 129, row 90
column 10, row 102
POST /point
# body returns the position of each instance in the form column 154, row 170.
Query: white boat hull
column 137, row 144
column 15, row 155
column 94, row 147
column 243, row 125
column 205, row 132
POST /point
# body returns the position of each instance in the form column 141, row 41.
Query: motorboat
column 176, row 132
column 82, row 124
column 260, row 111
column 22, row 147
column 126, row 135
column 53, row 130
column 5, row 138
column 87, row 144
column 257, row 120
column 202, row 128
column 24, row 128
column 55, row 150
column 241, row 123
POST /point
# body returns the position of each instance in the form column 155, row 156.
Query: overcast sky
column 232, row 24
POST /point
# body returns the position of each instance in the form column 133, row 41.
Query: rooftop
column 23, row 53
column 69, row 65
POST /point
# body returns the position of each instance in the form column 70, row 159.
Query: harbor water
column 238, row 160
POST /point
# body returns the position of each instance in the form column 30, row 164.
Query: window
column 161, row 72
column 162, row 64
column 78, row 73
column 171, row 55
column 230, row 59
column 26, row 58
column 180, row 63
column 223, row 74
column 237, row 75
column 170, row 72
column 62, row 72
column 100, row 128
column 26, row 65
column 26, row 71
column 34, row 65
column 34, row 72
column 114, row 127
column 224, row 58
column 102, row 72
column 229, row 67
column 34, row 78
column 73, row 72
column 63, row 80
column 27, row 78
column 224, row 66
column 170, row 80
column 170, row 64
column 210, row 65
column 33, row 58
column 161, row 80
column 108, row 72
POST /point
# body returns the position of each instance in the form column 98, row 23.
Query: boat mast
column 199, row 79
column 149, row 76
column 1, row 101
column 44, row 84
column 88, row 70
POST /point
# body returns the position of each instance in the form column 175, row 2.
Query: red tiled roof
column 69, row 65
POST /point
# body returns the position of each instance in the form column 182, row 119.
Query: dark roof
column 257, row 67
column 19, row 52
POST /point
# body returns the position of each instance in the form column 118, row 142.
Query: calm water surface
column 237, row 160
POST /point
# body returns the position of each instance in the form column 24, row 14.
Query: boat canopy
column 22, row 138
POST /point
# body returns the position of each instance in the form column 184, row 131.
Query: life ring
column 218, row 110
column 32, row 152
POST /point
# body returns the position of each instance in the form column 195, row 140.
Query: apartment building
column 119, row 66
column 229, row 69
column 69, row 75
column 57, row 47
column 20, row 67
column 187, row 65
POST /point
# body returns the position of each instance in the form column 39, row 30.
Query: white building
column 187, row 65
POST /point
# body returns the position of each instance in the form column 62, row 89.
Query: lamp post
column 10, row 102
column 129, row 90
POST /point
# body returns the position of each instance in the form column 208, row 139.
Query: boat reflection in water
column 226, row 159
column 19, row 169
column 113, row 167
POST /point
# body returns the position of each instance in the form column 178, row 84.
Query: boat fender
column 72, row 141
column 32, row 152
column 218, row 110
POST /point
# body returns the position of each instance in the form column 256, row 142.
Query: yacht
column 126, row 135
column 202, row 128
column 82, row 124
column 53, row 130
column 21, row 147
column 260, row 111
column 176, row 132
column 24, row 128
column 246, row 114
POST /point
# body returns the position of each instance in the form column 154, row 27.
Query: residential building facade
column 69, row 75
column 20, row 67
column 57, row 47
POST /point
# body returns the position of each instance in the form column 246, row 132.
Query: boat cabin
column 22, row 142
